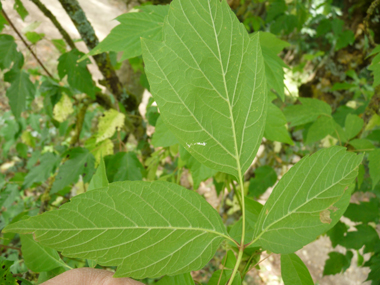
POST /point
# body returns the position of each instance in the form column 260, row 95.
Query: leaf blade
column 300, row 207
column 156, row 228
column 126, row 36
column 294, row 271
column 228, row 73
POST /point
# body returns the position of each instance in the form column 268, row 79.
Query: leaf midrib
column 237, row 157
column 128, row 228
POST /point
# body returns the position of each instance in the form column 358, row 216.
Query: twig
column 55, row 22
column 79, row 123
column 260, row 262
column 25, row 43
column 11, row 247
column 45, row 198
column 370, row 12
column 85, row 29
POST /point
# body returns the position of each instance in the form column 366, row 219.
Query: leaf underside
column 208, row 79
column 308, row 200
column 146, row 229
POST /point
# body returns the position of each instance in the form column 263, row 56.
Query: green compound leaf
column 208, row 80
column 146, row 229
column 21, row 89
column 77, row 73
column 111, row 121
column 308, row 112
column 303, row 205
column 39, row 258
column 126, row 36
column 294, row 271
column 80, row 162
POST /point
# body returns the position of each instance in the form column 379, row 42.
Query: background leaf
column 274, row 65
column 364, row 235
column 79, row 162
column 19, row 7
column 322, row 127
column 222, row 276
column 199, row 172
column 63, row 109
column 110, row 122
column 374, row 166
column 20, row 90
column 302, row 206
column 123, row 166
column 275, row 126
column 200, row 62
column 353, row 125
column 99, row 180
column 294, row 271
column 39, row 258
column 265, row 177
column 182, row 279
column 40, row 173
column 337, row 262
column 364, row 212
column 162, row 135
column 150, row 230
column 8, row 51
column 77, row 73
column 126, row 37
column 308, row 112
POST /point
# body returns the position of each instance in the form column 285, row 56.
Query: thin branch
column 45, row 198
column 11, row 247
column 25, row 43
column 55, row 22
column 79, row 123
column 366, row 20
column 85, row 29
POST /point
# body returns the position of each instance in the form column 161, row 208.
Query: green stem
column 241, row 246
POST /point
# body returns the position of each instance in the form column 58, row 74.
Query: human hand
column 89, row 276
